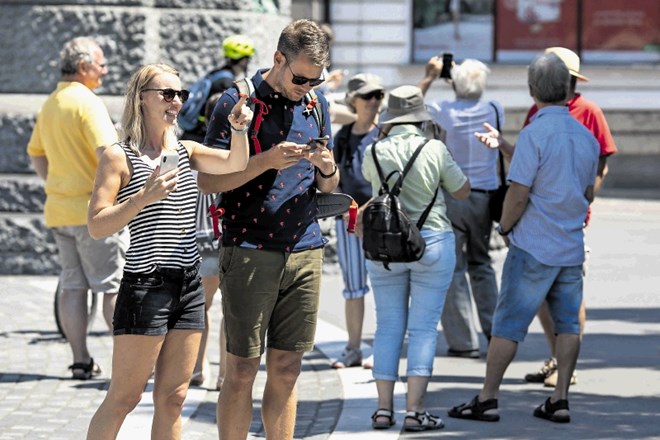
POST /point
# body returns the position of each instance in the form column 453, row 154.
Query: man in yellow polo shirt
column 72, row 129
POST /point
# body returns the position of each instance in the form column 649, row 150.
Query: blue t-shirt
column 349, row 155
column 462, row 118
column 556, row 157
column 276, row 210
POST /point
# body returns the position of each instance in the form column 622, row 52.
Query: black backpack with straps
column 389, row 236
column 329, row 204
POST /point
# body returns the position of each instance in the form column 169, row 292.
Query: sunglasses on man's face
column 169, row 94
column 301, row 80
column 375, row 94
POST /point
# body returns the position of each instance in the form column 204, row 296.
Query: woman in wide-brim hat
column 410, row 296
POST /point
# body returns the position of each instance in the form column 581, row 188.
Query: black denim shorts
column 153, row 303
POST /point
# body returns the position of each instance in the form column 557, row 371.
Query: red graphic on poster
column 536, row 24
column 620, row 24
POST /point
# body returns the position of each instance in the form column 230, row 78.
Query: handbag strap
column 499, row 153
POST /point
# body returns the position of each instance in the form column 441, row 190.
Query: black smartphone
column 316, row 143
column 447, row 60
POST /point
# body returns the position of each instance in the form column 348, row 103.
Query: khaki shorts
column 88, row 263
column 269, row 292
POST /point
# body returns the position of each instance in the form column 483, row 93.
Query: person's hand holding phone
column 318, row 154
column 447, row 64
column 284, row 155
column 163, row 179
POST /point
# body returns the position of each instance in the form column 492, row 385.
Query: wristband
column 240, row 131
column 327, row 176
column 501, row 231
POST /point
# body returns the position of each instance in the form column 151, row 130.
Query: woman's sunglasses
column 378, row 94
column 169, row 94
column 301, row 80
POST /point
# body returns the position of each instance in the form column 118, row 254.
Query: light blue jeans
column 410, row 297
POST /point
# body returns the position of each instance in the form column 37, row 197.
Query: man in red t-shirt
column 591, row 116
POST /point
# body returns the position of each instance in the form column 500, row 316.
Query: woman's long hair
column 133, row 131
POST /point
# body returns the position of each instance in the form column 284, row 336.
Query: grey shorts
column 88, row 263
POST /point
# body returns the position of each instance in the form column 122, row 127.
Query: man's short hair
column 548, row 79
column 469, row 79
column 75, row 50
column 305, row 37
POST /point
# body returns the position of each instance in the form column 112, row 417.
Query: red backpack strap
column 246, row 87
column 215, row 214
column 352, row 217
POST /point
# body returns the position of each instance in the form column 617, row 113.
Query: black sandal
column 423, row 421
column 86, row 371
column 548, row 409
column 382, row 412
column 475, row 410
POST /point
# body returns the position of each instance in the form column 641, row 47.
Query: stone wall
column 186, row 34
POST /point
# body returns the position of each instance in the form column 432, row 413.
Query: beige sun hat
column 569, row 58
column 363, row 83
column 405, row 104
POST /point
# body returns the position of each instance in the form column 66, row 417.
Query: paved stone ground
column 617, row 395
column 38, row 401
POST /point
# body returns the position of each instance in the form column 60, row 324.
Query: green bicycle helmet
column 237, row 47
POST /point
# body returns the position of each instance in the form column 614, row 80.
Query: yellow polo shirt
column 71, row 125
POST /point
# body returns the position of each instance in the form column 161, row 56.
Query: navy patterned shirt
column 276, row 210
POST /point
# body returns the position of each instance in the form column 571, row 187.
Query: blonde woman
column 159, row 316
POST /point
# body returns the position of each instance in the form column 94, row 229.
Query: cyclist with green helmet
column 237, row 50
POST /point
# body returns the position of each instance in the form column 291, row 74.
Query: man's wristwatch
column 501, row 231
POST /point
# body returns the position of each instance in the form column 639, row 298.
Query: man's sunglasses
column 378, row 94
column 169, row 94
column 301, row 80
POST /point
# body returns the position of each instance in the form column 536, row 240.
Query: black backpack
column 389, row 235
column 200, row 91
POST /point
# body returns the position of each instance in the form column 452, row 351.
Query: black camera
column 447, row 60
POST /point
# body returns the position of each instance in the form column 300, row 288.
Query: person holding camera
column 474, row 277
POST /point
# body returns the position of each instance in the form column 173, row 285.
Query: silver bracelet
column 241, row 131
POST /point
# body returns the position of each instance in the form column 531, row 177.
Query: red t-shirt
column 591, row 116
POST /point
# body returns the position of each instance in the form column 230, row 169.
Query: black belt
column 178, row 273
column 484, row 191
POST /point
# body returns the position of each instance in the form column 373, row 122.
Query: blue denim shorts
column 526, row 283
column 153, row 303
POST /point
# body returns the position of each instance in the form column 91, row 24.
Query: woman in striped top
column 159, row 315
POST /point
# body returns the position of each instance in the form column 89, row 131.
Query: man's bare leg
column 234, row 410
column 280, row 398
column 500, row 354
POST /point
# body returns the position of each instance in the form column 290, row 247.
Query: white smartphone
column 168, row 161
